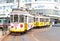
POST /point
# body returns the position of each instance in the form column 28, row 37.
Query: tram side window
column 37, row 19
column 15, row 18
column 25, row 18
column 41, row 20
column 30, row 19
column 34, row 19
column 11, row 18
column 21, row 18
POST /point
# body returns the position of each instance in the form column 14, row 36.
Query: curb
column 4, row 37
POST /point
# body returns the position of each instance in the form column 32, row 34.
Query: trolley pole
column 18, row 4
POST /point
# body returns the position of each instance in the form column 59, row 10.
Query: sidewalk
column 2, row 36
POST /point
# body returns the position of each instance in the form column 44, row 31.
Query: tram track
column 29, row 36
column 9, row 38
column 13, row 38
column 16, row 37
column 19, row 37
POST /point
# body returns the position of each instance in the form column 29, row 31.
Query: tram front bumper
column 17, row 30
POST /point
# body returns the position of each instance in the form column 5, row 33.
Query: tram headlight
column 11, row 24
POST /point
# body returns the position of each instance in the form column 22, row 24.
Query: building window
column 55, row 12
column 55, row 0
column 27, row 0
column 28, row 5
column 9, row 1
column 48, row 11
column 2, row 1
column 35, row 0
column 41, row 0
column 0, row 7
column 59, row 1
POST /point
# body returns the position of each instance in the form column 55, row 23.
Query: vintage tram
column 21, row 21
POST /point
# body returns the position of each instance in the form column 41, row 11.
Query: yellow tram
column 21, row 21
column 41, row 21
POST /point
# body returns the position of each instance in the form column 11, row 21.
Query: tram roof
column 20, row 13
column 41, row 16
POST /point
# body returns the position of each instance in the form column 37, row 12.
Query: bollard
column 2, row 31
column 6, row 29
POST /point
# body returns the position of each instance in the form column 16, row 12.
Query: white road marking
column 35, row 37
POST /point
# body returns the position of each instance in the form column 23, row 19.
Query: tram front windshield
column 13, row 18
column 17, row 18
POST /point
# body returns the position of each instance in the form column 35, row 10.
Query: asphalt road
column 39, row 34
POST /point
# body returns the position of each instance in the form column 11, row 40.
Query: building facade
column 45, row 7
column 49, row 8
column 6, row 7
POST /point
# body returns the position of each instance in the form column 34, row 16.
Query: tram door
column 37, row 22
column 30, row 22
column 25, row 22
column 21, row 21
